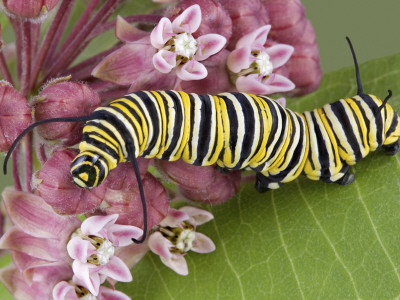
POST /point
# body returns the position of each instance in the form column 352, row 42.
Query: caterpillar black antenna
column 132, row 158
column 92, row 116
column 359, row 85
column 384, row 102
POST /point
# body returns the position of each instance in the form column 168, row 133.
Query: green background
column 374, row 29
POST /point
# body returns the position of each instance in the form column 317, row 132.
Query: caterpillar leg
column 346, row 179
column 392, row 149
column 223, row 170
column 264, row 184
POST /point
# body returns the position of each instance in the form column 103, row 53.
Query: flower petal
column 209, row 44
column 79, row 249
column 281, row 101
column 202, row 244
column 42, row 248
column 188, row 21
column 160, row 245
column 93, row 225
column 239, row 59
column 106, row 293
column 63, row 290
column 192, row 70
column 251, row 84
column 125, row 32
column 116, row 269
column 164, row 61
column 126, row 64
column 161, row 33
column 200, row 216
column 255, row 39
column 174, row 218
column 121, row 235
column 177, row 263
column 35, row 217
column 91, row 280
column 279, row 54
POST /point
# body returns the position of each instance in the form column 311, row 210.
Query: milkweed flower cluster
column 205, row 46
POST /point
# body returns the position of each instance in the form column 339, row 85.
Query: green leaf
column 308, row 239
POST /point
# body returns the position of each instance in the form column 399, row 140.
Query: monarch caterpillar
column 234, row 131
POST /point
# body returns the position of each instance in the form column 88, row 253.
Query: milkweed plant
column 68, row 243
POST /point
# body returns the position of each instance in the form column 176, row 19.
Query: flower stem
column 69, row 52
column 83, row 19
column 18, row 44
column 65, row 6
column 15, row 159
column 28, row 162
column 25, row 56
column 51, row 53
column 4, row 70
column 84, row 69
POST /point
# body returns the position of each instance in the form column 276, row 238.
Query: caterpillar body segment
column 238, row 131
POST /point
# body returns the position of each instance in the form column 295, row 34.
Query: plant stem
column 65, row 6
column 5, row 72
column 68, row 53
column 25, row 56
column 28, row 162
column 84, row 69
column 15, row 160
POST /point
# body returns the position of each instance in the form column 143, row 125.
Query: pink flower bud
column 205, row 184
column 122, row 196
column 58, row 190
column 215, row 18
column 64, row 99
column 29, row 9
column 304, row 67
column 246, row 16
column 15, row 115
column 287, row 19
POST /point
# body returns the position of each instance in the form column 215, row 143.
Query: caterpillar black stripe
column 234, row 131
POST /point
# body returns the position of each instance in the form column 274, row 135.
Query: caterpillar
column 235, row 131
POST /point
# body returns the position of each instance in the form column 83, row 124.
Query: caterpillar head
column 89, row 169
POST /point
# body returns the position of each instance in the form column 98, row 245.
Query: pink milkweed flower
column 41, row 285
column 74, row 289
column 176, row 235
column 92, row 247
column 179, row 50
column 253, row 64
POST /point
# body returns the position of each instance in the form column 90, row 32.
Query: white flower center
column 264, row 64
column 88, row 296
column 185, row 240
column 105, row 252
column 185, row 45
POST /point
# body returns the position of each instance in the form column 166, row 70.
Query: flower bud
column 64, row 99
column 287, row 19
column 204, row 184
column 304, row 66
column 15, row 115
column 29, row 9
column 215, row 17
column 122, row 196
column 58, row 190
column 246, row 16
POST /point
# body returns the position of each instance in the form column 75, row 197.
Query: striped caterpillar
column 234, row 131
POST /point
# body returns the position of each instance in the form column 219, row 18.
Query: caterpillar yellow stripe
column 234, row 131
column 237, row 131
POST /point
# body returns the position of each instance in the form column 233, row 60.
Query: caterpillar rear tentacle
column 233, row 131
